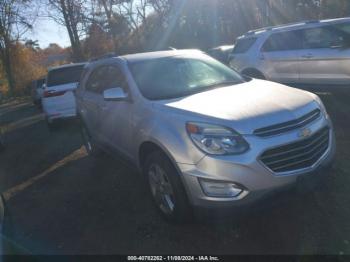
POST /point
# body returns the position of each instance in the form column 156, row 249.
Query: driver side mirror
column 114, row 94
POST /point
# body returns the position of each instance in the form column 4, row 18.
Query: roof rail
column 312, row 21
column 105, row 56
column 267, row 28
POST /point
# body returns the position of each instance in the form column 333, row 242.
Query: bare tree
column 16, row 18
column 71, row 14
column 116, row 23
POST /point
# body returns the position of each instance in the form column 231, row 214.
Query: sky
column 47, row 31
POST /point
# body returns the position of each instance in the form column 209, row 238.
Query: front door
column 115, row 116
column 92, row 101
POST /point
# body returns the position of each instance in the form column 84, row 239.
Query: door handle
column 308, row 56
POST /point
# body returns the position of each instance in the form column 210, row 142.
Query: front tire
column 166, row 188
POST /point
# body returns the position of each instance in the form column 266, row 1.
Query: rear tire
column 88, row 142
column 166, row 188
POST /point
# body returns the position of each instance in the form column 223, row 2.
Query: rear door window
column 344, row 27
column 243, row 45
column 282, row 42
column 322, row 37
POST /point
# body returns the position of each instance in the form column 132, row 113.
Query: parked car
column 221, row 53
column 312, row 52
column 203, row 135
column 37, row 90
column 58, row 99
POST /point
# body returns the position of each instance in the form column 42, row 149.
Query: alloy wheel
column 161, row 189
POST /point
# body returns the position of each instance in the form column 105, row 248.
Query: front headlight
column 216, row 140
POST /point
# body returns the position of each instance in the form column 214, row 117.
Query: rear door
column 280, row 57
column 325, row 57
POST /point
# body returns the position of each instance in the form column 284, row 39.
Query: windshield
column 174, row 77
column 64, row 75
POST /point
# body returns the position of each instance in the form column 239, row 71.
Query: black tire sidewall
column 182, row 211
column 94, row 150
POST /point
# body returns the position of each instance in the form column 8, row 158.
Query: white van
column 58, row 99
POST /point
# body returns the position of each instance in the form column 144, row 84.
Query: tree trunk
column 110, row 23
column 6, row 62
column 73, row 35
column 9, row 75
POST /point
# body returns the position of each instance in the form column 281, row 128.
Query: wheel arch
column 150, row 146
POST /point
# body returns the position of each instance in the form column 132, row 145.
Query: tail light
column 52, row 93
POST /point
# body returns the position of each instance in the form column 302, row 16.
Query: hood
column 247, row 106
column 64, row 87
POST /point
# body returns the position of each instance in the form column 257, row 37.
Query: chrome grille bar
column 304, row 147
column 288, row 126
column 298, row 155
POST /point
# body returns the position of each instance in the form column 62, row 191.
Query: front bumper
column 247, row 171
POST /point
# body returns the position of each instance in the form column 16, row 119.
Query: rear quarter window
column 243, row 45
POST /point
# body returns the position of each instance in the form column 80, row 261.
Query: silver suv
column 202, row 135
column 313, row 52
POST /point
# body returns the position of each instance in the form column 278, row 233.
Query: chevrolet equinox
column 203, row 135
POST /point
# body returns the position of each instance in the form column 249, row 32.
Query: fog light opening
column 220, row 189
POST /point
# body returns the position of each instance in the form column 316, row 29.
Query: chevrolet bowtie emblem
column 304, row 133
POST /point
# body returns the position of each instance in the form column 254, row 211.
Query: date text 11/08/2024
column 173, row 258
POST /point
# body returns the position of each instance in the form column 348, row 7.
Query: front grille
column 288, row 126
column 298, row 155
